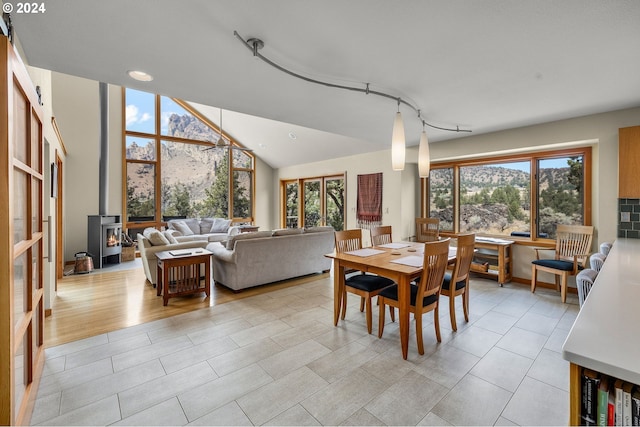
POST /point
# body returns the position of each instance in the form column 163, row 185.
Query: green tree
column 176, row 201
column 241, row 203
column 335, row 208
column 216, row 202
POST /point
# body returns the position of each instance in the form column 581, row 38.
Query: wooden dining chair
column 425, row 295
column 456, row 283
column 573, row 244
column 381, row 235
column 427, row 229
column 366, row 286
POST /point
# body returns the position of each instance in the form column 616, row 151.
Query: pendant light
column 424, row 159
column 397, row 142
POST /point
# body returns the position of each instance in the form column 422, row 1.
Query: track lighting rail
column 254, row 45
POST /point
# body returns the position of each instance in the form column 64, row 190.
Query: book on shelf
column 589, row 404
column 611, row 407
column 635, row 407
column 627, row 389
column 617, row 387
column 603, row 401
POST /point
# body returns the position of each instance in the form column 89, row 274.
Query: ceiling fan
column 224, row 142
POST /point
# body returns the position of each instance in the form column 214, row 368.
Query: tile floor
column 277, row 359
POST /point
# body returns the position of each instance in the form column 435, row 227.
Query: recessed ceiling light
column 292, row 135
column 140, row 76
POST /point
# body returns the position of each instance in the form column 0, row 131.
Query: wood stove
column 104, row 234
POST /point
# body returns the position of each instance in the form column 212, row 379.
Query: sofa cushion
column 182, row 227
column 155, row 237
column 287, row 231
column 318, row 229
column 231, row 242
column 169, row 235
column 220, row 225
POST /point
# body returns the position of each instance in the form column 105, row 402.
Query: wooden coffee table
column 179, row 273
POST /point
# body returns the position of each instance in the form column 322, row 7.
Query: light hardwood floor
column 90, row 304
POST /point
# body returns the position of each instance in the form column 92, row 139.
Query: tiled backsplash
column 629, row 218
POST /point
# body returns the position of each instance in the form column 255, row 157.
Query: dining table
column 401, row 262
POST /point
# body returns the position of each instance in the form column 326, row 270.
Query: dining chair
column 596, row 260
column 425, row 295
column 366, row 286
column 456, row 283
column 573, row 243
column 381, row 235
column 427, row 229
column 584, row 282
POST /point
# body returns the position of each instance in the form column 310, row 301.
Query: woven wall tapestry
column 369, row 209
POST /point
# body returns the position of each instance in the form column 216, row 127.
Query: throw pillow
column 169, row 235
column 155, row 237
column 205, row 225
column 183, row 228
column 220, row 225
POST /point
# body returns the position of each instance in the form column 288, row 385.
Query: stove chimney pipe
column 103, row 184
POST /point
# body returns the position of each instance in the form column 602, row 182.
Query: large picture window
column 310, row 202
column 518, row 196
column 173, row 168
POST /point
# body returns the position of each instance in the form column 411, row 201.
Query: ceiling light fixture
column 424, row 158
column 140, row 76
column 397, row 138
column 397, row 142
column 292, row 136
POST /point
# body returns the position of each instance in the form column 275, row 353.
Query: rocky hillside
column 191, row 165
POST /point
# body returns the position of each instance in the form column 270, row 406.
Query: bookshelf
column 498, row 254
column 603, row 337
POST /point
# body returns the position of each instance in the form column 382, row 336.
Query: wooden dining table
column 384, row 260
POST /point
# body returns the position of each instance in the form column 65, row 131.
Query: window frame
column 532, row 157
column 158, row 137
column 301, row 202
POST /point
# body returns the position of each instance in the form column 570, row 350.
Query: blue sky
column 140, row 111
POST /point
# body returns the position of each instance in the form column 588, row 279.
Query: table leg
column 158, row 285
column 207, row 277
column 404, row 295
column 338, row 283
column 165, row 281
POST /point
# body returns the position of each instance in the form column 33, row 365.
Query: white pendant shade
column 397, row 144
column 424, row 159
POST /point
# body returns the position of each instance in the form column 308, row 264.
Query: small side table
column 179, row 272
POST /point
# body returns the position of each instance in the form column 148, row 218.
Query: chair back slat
column 573, row 240
column 464, row 256
column 381, row 235
column 427, row 229
column 436, row 258
column 348, row 240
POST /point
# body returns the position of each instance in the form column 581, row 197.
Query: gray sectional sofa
column 253, row 259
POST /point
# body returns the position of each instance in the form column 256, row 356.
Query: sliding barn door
column 21, row 239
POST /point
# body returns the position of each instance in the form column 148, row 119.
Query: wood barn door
column 21, row 240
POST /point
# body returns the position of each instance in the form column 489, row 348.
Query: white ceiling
column 483, row 65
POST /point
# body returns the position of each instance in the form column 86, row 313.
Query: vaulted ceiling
column 483, row 65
